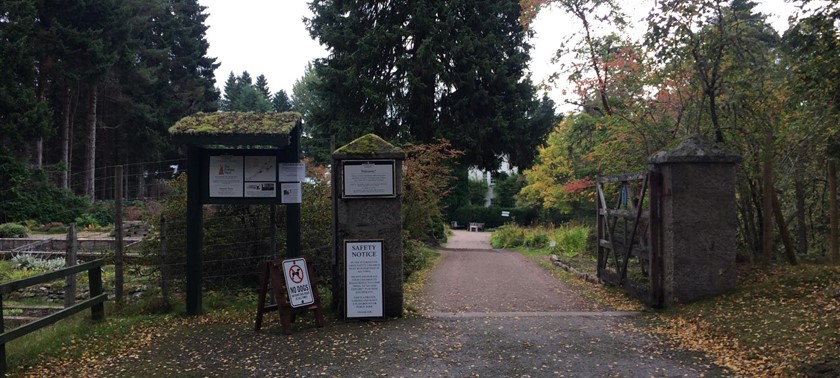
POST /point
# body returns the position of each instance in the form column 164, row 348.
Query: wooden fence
column 96, row 302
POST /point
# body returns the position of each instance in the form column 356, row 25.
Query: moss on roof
column 236, row 123
column 369, row 144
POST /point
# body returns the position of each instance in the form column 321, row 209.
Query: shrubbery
column 13, row 230
column 569, row 239
column 416, row 257
column 492, row 216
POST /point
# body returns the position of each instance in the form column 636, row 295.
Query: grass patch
column 413, row 286
column 779, row 322
column 72, row 339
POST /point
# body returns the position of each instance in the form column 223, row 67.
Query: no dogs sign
column 297, row 282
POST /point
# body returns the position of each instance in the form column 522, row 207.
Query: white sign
column 363, row 278
column 505, row 213
column 291, row 172
column 261, row 189
column 226, row 176
column 290, row 192
column 368, row 179
column 260, row 168
column 297, row 282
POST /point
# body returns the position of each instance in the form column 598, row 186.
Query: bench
column 476, row 226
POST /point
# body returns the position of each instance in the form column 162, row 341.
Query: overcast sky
column 269, row 37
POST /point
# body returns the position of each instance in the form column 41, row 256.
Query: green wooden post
column 292, row 155
column 195, row 230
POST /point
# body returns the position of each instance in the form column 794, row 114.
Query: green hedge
column 492, row 216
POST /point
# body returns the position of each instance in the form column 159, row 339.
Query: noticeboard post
column 363, row 275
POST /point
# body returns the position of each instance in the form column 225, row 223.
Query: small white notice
column 297, row 282
column 505, row 213
column 261, row 189
column 291, row 192
column 226, row 176
column 368, row 179
column 363, row 275
column 291, row 172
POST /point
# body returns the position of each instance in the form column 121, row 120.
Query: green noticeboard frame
column 201, row 149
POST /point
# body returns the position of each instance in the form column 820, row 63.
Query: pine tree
column 417, row 70
column 19, row 103
column 280, row 101
column 262, row 86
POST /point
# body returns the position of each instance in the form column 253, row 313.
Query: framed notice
column 226, row 176
column 363, row 278
column 368, row 178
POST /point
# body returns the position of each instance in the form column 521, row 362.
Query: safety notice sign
column 297, row 282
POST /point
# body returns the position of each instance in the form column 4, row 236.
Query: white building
column 489, row 177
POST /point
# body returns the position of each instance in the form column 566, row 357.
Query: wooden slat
column 9, row 287
column 624, row 213
column 52, row 318
column 622, row 178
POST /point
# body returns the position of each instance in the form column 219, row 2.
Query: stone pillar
column 699, row 220
column 368, row 207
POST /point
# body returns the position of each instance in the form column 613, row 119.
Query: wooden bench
column 476, row 226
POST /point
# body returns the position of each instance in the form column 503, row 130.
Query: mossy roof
column 370, row 145
column 235, row 128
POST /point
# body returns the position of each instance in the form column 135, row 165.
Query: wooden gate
column 628, row 234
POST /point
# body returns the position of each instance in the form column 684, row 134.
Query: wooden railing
column 96, row 302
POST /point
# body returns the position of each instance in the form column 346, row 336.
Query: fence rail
column 96, row 302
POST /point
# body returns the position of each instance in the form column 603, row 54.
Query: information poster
column 363, row 278
column 260, row 168
column 291, row 172
column 226, row 176
column 291, row 192
column 368, row 179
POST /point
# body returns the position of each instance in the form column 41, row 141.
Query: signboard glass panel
column 362, row 178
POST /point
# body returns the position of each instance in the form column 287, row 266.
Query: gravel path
column 483, row 280
column 486, row 313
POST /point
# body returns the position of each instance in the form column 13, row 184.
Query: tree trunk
column 90, row 162
column 801, row 228
column 750, row 232
column 39, row 153
column 832, row 201
column 65, row 138
column 767, row 200
column 790, row 252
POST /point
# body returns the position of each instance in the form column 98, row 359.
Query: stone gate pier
column 698, row 220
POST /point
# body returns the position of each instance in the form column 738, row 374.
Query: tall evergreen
column 241, row 95
column 417, row 70
column 262, row 85
column 280, row 101
column 19, row 103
